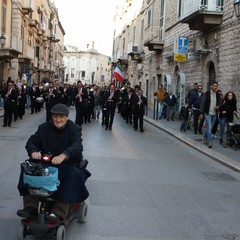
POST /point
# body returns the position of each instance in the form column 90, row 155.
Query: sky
column 85, row 21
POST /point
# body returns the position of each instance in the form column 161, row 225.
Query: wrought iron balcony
column 201, row 14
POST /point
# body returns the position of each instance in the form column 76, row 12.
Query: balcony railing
column 201, row 14
column 191, row 6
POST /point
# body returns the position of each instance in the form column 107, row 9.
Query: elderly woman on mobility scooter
column 61, row 138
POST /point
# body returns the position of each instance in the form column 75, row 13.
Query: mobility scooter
column 35, row 172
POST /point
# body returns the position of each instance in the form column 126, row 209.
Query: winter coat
column 49, row 139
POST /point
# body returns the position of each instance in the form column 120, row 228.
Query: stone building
column 177, row 43
column 34, row 36
column 89, row 66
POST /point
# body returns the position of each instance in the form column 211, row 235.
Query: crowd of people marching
column 88, row 100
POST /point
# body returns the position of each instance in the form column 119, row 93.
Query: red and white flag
column 118, row 74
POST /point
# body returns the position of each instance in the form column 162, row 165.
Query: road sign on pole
column 182, row 45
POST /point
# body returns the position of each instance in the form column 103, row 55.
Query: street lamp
column 2, row 41
column 236, row 5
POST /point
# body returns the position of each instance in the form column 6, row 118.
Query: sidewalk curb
column 234, row 165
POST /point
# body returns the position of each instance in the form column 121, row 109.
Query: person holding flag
column 118, row 74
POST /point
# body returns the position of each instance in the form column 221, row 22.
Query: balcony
column 27, row 6
column 201, row 16
column 13, row 49
column 42, row 27
column 152, row 40
column 133, row 51
column 33, row 23
column 28, row 52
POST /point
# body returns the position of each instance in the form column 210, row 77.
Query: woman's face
column 230, row 96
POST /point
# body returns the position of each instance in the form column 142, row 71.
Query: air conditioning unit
column 200, row 46
column 197, row 45
column 134, row 48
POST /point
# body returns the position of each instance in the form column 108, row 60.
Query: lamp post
column 2, row 41
column 236, row 5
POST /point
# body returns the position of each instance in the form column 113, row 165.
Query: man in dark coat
column 80, row 102
column 140, row 102
column 111, row 97
column 62, row 139
column 210, row 104
column 171, row 101
column 51, row 97
column 10, row 95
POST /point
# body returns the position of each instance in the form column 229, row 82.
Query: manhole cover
column 219, row 176
column 230, row 236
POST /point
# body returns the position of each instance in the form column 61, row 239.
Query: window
column 83, row 74
column 72, row 72
column 142, row 29
column 134, row 32
column 161, row 19
column 123, row 46
column 4, row 15
column 179, row 8
column 149, row 17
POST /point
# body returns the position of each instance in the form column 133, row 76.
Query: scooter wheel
column 61, row 233
column 83, row 212
column 22, row 232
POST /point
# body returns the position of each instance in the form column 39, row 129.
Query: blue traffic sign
column 182, row 45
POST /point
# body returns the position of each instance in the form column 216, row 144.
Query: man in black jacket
column 111, row 98
column 171, row 101
column 211, row 101
column 194, row 104
column 62, row 139
column 139, row 102
column 10, row 95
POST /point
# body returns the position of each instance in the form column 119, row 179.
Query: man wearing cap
column 62, row 139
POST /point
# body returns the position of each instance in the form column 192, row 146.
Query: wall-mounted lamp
column 236, row 5
column 2, row 41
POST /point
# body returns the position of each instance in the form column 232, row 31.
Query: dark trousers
column 138, row 117
column 33, row 105
column 110, row 112
column 79, row 113
column 103, row 115
column 197, row 126
column 8, row 113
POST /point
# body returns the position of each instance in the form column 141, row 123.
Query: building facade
column 89, row 66
column 34, row 41
column 177, row 43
